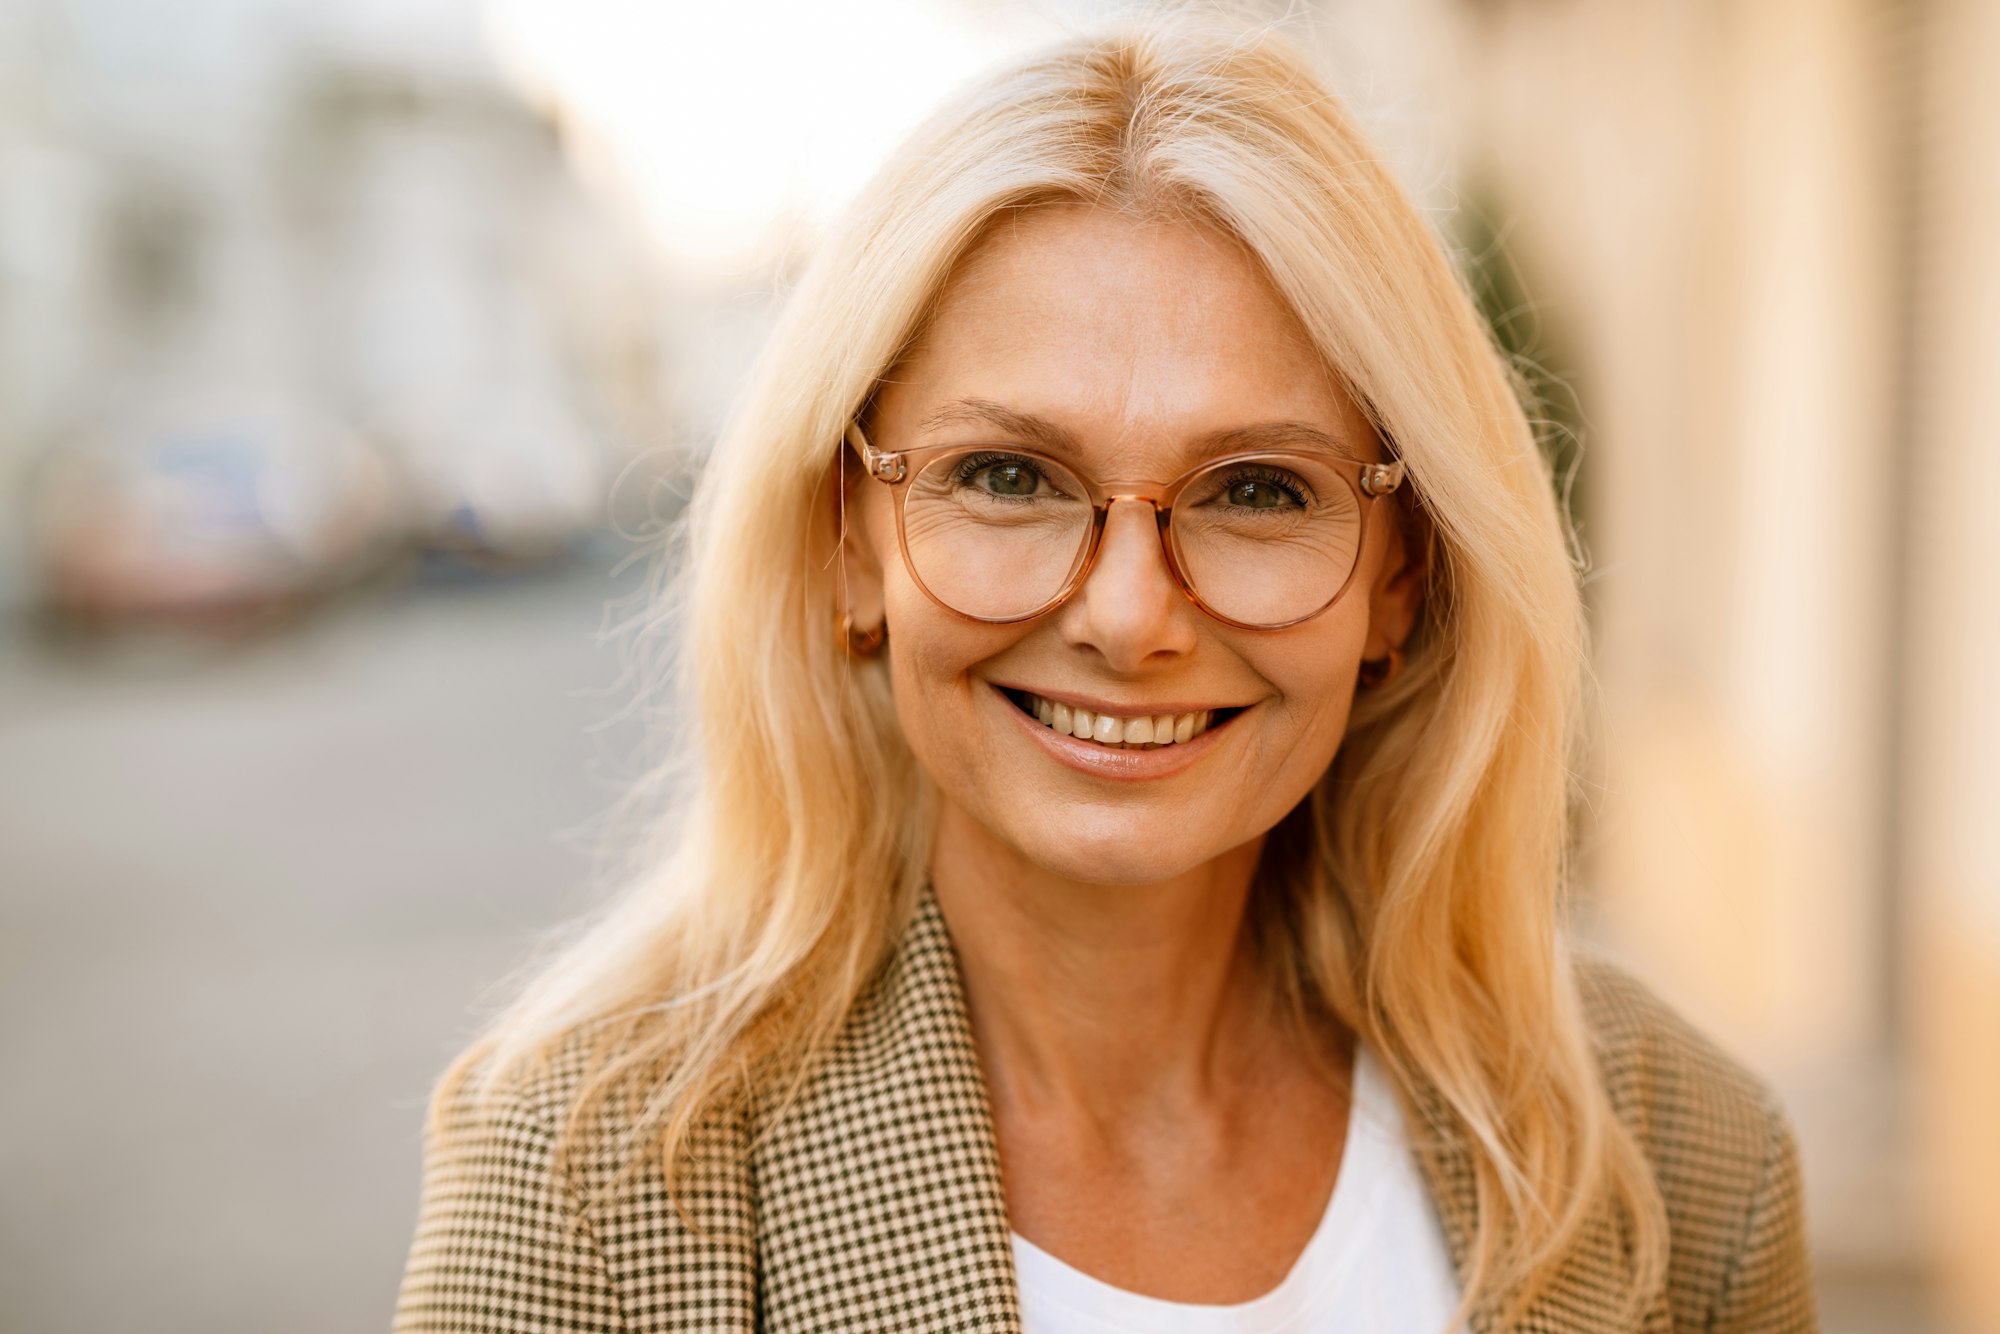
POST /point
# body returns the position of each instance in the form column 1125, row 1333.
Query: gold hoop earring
column 1377, row 672
column 861, row 643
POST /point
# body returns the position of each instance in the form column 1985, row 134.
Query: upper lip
column 1096, row 704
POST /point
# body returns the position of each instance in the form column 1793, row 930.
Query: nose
column 1130, row 608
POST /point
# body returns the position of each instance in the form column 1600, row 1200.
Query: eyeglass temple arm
column 881, row 465
column 1377, row 479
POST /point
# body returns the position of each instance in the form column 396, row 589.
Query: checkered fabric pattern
column 875, row 1203
column 504, row 1244
column 1722, row 1153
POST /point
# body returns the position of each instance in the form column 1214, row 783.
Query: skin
column 1161, row 1127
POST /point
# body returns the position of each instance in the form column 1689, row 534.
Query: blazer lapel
column 879, row 1203
column 1447, row 1165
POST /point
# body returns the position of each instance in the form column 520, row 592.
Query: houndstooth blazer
column 876, row 1205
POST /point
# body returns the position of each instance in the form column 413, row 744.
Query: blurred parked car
column 208, row 509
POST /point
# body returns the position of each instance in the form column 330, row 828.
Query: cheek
column 930, row 655
column 1313, row 675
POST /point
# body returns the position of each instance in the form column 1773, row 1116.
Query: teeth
column 1163, row 729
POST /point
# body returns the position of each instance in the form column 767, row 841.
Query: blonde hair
column 1414, row 895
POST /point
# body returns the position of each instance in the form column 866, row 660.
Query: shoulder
column 1664, row 1074
column 530, row 1208
column 1722, row 1150
column 499, row 1227
column 511, row 1120
column 559, row 1112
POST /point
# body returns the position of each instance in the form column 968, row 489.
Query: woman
column 1142, row 912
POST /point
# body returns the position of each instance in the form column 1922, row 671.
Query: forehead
column 1136, row 336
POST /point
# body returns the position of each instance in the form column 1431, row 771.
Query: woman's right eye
column 1001, row 476
column 1010, row 479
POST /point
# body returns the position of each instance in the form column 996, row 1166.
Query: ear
column 858, row 578
column 1396, row 597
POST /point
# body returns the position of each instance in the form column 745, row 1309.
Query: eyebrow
column 1054, row 439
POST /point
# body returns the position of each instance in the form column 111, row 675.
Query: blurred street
column 243, row 912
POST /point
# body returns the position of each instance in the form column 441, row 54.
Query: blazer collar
column 879, row 1202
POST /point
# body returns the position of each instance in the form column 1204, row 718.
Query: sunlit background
column 351, row 354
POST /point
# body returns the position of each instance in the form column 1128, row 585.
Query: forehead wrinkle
column 1280, row 435
column 974, row 411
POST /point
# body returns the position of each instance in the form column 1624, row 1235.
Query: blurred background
column 351, row 355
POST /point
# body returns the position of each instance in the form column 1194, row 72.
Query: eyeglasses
column 1258, row 540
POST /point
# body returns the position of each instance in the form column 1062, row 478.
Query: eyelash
column 973, row 464
column 1284, row 481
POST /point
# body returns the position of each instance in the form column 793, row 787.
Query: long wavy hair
column 1414, row 895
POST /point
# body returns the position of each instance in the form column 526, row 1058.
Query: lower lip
column 1130, row 766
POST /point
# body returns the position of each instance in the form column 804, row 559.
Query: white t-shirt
column 1377, row 1263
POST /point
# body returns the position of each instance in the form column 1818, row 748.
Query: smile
column 1139, row 731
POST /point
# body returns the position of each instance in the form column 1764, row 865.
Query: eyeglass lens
column 997, row 535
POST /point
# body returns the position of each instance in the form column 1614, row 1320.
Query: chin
column 1098, row 871
column 1115, row 851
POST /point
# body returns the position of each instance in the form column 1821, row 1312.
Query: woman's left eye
column 1256, row 495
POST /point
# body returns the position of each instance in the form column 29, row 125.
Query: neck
column 1103, row 1002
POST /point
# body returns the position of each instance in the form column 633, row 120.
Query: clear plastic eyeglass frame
column 1370, row 482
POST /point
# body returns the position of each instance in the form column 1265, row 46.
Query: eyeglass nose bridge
column 1144, row 493
column 1147, row 493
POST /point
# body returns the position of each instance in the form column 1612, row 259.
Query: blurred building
column 290, row 290
column 1762, row 234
